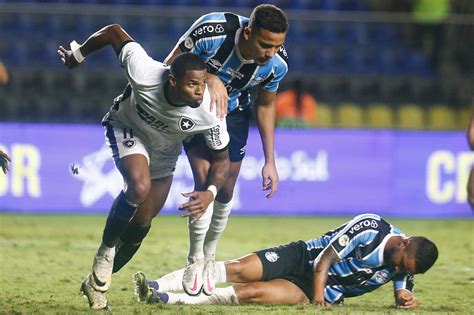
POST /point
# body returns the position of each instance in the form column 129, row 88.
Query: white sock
column 217, row 226
column 171, row 282
column 221, row 272
column 197, row 233
column 220, row 296
column 104, row 250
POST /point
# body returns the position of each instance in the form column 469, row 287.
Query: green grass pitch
column 45, row 258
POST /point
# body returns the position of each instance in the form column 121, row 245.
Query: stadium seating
column 349, row 115
column 441, row 117
column 410, row 116
column 324, row 116
column 380, row 116
column 464, row 117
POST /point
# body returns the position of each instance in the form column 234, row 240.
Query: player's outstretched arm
column 200, row 200
column 266, row 124
column 4, row 159
column 112, row 34
column 320, row 277
column 405, row 299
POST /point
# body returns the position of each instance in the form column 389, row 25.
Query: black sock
column 130, row 241
column 121, row 212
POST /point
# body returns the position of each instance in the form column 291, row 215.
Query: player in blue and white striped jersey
column 351, row 260
column 242, row 54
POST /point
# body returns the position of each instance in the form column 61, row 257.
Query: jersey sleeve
column 403, row 281
column 205, row 35
column 137, row 65
column 362, row 230
column 280, row 69
column 217, row 138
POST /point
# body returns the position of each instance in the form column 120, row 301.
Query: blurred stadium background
column 393, row 82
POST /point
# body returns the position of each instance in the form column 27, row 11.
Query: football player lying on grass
column 353, row 259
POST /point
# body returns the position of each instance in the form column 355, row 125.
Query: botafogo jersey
column 144, row 108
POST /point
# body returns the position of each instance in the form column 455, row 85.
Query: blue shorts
column 238, row 128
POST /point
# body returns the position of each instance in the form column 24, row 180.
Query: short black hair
column 184, row 62
column 269, row 17
column 425, row 253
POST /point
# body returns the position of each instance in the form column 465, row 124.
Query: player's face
column 191, row 87
column 262, row 44
column 401, row 260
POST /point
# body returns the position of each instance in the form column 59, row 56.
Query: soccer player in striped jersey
column 351, row 260
column 160, row 107
column 243, row 55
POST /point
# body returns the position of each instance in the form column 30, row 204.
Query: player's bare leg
column 134, row 169
column 278, row 291
column 136, row 231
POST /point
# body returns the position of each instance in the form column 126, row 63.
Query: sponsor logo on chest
column 234, row 73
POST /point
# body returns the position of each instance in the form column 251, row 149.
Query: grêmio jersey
column 214, row 38
column 144, row 107
column 359, row 245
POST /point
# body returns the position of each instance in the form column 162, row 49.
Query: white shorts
column 125, row 141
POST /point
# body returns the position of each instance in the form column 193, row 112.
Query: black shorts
column 238, row 128
column 289, row 262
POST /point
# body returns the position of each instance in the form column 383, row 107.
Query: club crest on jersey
column 215, row 63
column 189, row 43
column 343, row 240
column 186, row 124
column 128, row 143
column 381, row 276
column 271, row 256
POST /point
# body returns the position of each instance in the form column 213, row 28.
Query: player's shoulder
column 217, row 24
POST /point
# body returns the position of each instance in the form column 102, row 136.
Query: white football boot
column 97, row 299
column 192, row 277
column 101, row 276
column 209, row 276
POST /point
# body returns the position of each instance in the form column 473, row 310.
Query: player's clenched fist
column 67, row 57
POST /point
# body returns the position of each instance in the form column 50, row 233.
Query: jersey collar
column 237, row 50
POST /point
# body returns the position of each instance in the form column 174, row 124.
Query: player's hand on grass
column 67, row 58
column 320, row 303
column 198, row 204
column 219, row 96
column 270, row 179
column 411, row 303
column 4, row 159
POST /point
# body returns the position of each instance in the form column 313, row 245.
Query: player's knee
column 137, row 190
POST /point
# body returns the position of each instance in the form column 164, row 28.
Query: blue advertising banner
column 322, row 172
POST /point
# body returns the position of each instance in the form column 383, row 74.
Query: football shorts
column 125, row 141
column 289, row 262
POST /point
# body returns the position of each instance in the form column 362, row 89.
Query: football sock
column 105, row 250
column 121, row 212
column 197, row 233
column 130, row 242
column 220, row 296
column 216, row 228
column 170, row 282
